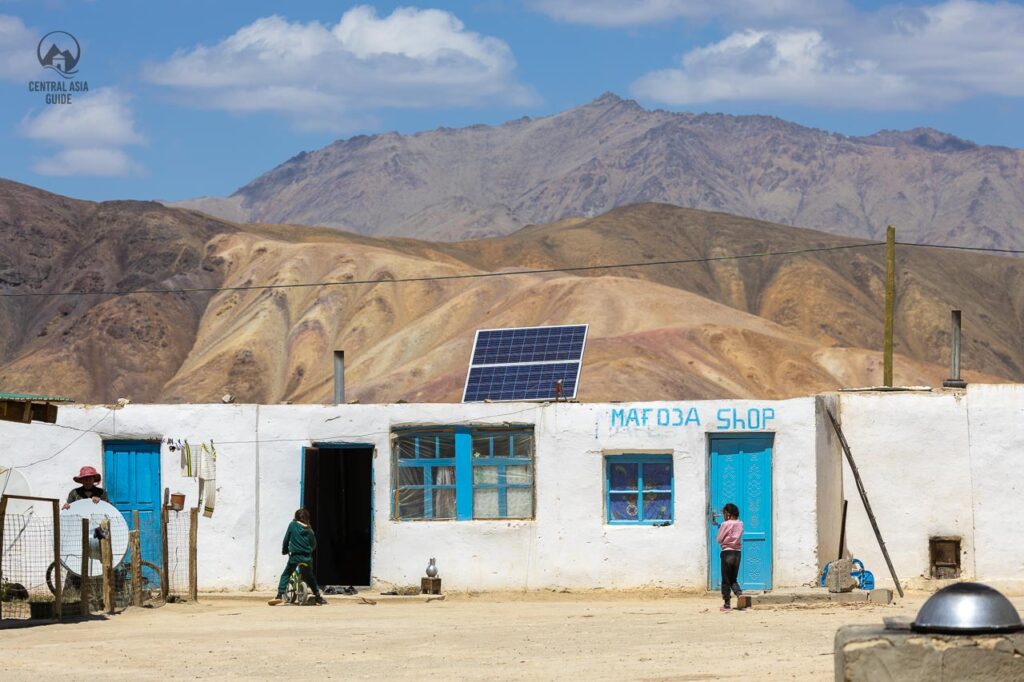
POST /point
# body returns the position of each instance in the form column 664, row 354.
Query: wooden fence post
column 107, row 557
column 85, row 591
column 165, row 580
column 136, row 558
column 57, row 578
column 193, row 557
column 3, row 522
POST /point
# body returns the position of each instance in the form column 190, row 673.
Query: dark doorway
column 336, row 489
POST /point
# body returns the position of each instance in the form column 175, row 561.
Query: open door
column 337, row 487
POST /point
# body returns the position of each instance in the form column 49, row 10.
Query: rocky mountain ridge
column 764, row 327
column 453, row 184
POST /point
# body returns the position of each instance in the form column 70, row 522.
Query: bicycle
column 122, row 577
column 297, row 591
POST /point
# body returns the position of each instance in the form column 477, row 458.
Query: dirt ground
column 533, row 636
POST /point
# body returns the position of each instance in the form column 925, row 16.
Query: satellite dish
column 71, row 535
column 13, row 482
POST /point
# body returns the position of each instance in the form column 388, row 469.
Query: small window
column 502, row 474
column 639, row 489
column 461, row 473
column 944, row 553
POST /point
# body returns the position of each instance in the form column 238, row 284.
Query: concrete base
column 819, row 597
column 873, row 653
column 263, row 596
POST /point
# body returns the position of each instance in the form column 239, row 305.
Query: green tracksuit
column 299, row 543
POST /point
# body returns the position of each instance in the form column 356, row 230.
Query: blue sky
column 197, row 98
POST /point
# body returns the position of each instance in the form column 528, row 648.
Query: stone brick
column 847, row 597
column 869, row 653
column 880, row 596
column 839, row 579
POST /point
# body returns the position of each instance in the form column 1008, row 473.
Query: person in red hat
column 88, row 477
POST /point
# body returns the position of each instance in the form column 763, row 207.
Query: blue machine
column 865, row 578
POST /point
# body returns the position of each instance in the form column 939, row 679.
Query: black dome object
column 967, row 609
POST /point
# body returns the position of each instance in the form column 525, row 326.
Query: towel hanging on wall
column 208, row 478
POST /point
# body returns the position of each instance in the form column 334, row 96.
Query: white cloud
column 320, row 75
column 102, row 118
column 637, row 12
column 92, row 130
column 901, row 59
column 17, row 49
column 87, row 161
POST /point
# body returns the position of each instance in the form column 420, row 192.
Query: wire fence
column 28, row 567
column 54, row 567
column 180, row 563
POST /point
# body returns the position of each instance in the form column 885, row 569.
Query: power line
column 439, row 278
column 962, row 248
column 507, row 273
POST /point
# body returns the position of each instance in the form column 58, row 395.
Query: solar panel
column 525, row 363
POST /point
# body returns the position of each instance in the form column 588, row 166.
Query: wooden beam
column 135, row 548
column 193, row 563
column 58, row 607
column 107, row 557
column 85, row 591
column 3, row 522
column 165, row 580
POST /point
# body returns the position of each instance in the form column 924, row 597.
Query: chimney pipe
column 954, row 380
column 339, row 377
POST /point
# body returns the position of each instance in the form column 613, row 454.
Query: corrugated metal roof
column 25, row 397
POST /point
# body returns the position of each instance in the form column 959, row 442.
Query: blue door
column 741, row 473
column 131, row 476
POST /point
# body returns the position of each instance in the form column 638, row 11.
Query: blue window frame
column 502, row 474
column 425, row 485
column 639, row 489
column 462, row 473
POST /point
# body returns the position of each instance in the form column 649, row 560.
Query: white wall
column 944, row 463
column 996, row 422
column 568, row 544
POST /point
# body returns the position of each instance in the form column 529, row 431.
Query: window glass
column 503, row 474
column 435, row 468
column 639, row 489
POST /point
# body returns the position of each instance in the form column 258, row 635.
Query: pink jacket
column 730, row 534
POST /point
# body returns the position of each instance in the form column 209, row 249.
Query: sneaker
column 726, row 609
column 276, row 600
column 320, row 601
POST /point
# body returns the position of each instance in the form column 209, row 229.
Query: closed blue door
column 131, row 476
column 741, row 473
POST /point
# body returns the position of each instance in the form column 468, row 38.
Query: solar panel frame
column 500, row 351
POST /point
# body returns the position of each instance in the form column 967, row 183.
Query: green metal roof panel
column 25, row 397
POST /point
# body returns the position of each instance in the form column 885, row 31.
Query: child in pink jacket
column 730, row 537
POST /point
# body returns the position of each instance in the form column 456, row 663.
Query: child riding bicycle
column 299, row 543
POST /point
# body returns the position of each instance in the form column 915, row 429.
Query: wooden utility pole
column 890, row 296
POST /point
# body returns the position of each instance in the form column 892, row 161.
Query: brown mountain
column 480, row 181
column 761, row 327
